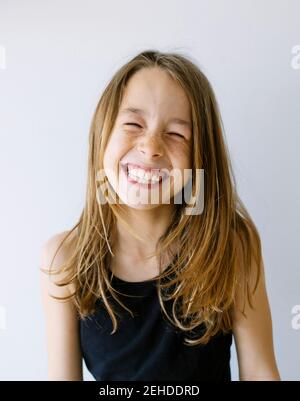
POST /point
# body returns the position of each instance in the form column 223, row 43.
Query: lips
column 163, row 175
column 163, row 172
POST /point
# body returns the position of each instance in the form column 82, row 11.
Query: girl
column 155, row 290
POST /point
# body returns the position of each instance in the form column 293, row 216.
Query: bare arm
column 62, row 325
column 253, row 336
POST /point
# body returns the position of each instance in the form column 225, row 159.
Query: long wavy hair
column 204, row 276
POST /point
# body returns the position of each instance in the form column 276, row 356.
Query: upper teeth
column 142, row 174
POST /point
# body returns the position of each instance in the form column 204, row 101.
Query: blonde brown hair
column 206, row 274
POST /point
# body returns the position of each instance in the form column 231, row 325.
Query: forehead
column 152, row 91
column 176, row 120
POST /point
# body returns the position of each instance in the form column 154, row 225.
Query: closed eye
column 175, row 133
column 170, row 133
column 137, row 125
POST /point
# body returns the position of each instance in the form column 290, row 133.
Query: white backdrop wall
column 55, row 59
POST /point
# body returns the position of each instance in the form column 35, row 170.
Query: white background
column 59, row 55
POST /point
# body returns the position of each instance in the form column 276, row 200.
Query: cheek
column 114, row 151
column 181, row 156
column 182, row 164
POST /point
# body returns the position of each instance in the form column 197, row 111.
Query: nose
column 151, row 146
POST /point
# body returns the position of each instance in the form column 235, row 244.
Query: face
column 149, row 148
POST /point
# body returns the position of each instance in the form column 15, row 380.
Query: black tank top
column 148, row 346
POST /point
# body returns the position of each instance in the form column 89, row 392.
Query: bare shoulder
column 252, row 325
column 55, row 252
column 62, row 323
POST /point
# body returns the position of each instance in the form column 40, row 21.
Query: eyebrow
column 175, row 120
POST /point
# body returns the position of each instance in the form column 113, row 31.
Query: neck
column 150, row 225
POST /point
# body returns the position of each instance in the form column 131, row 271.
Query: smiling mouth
column 161, row 171
column 148, row 183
